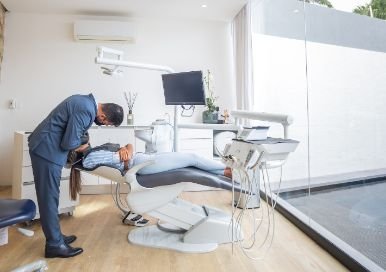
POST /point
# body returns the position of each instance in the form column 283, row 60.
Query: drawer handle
column 28, row 182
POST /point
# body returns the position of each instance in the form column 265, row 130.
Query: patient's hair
column 75, row 183
column 113, row 112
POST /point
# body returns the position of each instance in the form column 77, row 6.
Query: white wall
column 346, row 95
column 43, row 64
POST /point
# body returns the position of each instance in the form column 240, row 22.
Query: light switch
column 12, row 104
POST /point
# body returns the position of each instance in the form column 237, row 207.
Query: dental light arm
column 118, row 62
column 284, row 120
column 102, row 59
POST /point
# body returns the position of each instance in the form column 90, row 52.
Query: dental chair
column 185, row 227
column 14, row 211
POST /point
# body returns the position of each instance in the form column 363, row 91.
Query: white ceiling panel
column 222, row 10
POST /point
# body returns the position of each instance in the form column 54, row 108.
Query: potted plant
column 210, row 115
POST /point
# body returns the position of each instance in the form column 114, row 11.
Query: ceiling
column 221, row 10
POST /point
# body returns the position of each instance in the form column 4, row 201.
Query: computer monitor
column 185, row 88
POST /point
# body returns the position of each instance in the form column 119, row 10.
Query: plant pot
column 210, row 117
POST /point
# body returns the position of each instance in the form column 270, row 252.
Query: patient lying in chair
column 123, row 158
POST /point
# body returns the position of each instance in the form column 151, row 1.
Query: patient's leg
column 174, row 160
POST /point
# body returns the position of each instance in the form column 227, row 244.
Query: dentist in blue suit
column 49, row 144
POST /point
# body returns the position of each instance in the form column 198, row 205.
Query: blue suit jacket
column 63, row 127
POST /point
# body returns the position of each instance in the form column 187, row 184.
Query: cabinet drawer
column 28, row 192
column 196, row 144
column 65, row 173
column 195, row 133
column 201, row 152
column 65, row 199
column 89, row 179
column 25, row 141
column 27, row 174
column 26, row 158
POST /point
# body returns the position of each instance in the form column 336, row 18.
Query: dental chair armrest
column 136, row 168
column 131, row 174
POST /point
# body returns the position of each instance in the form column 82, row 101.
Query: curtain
column 242, row 52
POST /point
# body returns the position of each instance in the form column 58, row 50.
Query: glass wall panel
column 323, row 62
column 346, row 71
column 279, row 75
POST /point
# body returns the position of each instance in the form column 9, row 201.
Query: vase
column 210, row 117
column 130, row 118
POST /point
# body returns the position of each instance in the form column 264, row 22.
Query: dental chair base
column 213, row 227
column 195, row 228
column 202, row 227
column 152, row 236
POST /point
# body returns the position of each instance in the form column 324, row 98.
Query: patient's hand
column 82, row 148
column 123, row 154
column 126, row 152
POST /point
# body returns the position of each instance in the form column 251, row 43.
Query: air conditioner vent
column 105, row 31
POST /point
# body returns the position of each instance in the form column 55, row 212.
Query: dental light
column 117, row 61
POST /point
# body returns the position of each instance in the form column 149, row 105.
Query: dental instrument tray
column 274, row 149
column 253, row 133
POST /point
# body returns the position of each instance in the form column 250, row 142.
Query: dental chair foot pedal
column 133, row 219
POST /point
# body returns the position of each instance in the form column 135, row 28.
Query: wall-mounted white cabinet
column 197, row 141
column 23, row 186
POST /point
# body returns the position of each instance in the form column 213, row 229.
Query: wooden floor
column 96, row 222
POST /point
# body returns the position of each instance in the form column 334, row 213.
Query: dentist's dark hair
column 113, row 112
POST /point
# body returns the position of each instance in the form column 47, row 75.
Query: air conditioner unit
column 107, row 31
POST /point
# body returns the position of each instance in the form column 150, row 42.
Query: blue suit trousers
column 47, row 181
